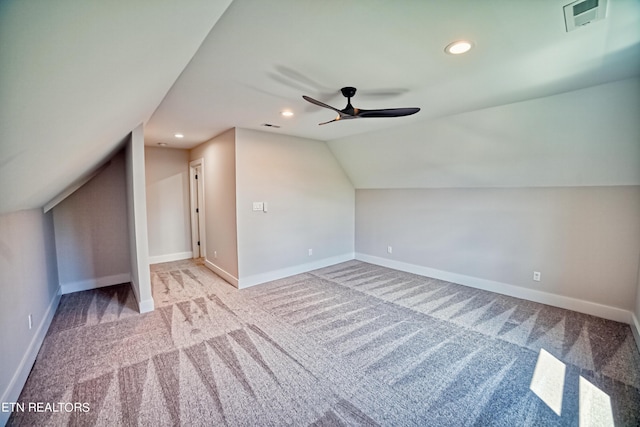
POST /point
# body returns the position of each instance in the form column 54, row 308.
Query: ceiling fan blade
column 342, row 116
column 349, row 112
column 388, row 112
column 330, row 121
column 320, row 104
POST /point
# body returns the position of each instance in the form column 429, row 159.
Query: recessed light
column 287, row 113
column 178, row 135
column 162, row 144
column 458, row 47
column 269, row 125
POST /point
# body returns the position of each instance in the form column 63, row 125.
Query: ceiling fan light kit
column 350, row 112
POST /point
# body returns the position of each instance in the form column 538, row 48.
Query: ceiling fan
column 350, row 112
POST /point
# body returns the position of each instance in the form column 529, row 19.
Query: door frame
column 196, row 193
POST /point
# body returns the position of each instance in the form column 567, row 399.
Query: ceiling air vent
column 583, row 12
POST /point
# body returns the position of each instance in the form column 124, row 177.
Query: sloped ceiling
column 262, row 56
column 78, row 76
column 587, row 137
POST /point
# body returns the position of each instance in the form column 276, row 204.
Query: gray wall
column 92, row 237
column 28, row 285
column 310, row 206
column 137, row 220
column 636, row 315
column 548, row 184
column 167, row 188
column 584, row 240
column 101, row 229
column 90, row 220
column 221, row 242
column 637, row 308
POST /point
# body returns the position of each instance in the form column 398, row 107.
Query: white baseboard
column 582, row 306
column 144, row 306
column 221, row 272
column 178, row 256
column 21, row 374
column 99, row 282
column 257, row 279
column 635, row 328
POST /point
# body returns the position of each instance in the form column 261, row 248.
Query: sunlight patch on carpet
column 595, row 406
column 548, row 380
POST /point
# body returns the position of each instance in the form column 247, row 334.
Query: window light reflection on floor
column 595, row 406
column 548, row 384
column 548, row 380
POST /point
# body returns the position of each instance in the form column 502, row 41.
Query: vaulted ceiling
column 262, row 56
column 77, row 76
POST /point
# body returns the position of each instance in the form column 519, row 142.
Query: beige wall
column 583, row 240
column 167, row 187
column 92, row 237
column 28, row 285
column 219, row 155
column 310, row 206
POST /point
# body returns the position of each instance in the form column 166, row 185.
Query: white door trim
column 196, row 190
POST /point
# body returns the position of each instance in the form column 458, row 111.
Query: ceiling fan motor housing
column 348, row 91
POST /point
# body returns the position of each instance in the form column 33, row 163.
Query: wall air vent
column 583, row 12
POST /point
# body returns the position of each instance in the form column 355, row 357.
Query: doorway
column 196, row 187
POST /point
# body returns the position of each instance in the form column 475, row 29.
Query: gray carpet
column 351, row 344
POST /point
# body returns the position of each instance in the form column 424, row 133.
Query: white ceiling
column 587, row 137
column 78, row 76
column 262, row 56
